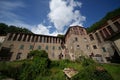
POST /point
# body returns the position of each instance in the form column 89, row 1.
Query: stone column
column 57, row 40
column 31, row 38
column 51, row 39
column 38, row 38
column 7, row 36
column 27, row 38
column 101, row 38
column 48, row 39
column 99, row 35
column 17, row 37
column 42, row 39
column 13, row 36
column 45, row 38
column 103, row 33
column 22, row 37
column 112, row 25
column 35, row 37
column 108, row 31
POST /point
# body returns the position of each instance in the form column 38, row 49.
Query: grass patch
column 113, row 70
column 87, row 70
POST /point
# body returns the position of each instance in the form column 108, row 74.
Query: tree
column 4, row 29
column 60, row 36
column 108, row 16
column 38, row 67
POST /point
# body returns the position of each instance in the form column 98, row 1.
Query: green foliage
column 10, row 70
column 38, row 66
column 4, row 29
column 62, row 64
column 87, row 61
column 108, row 16
column 90, row 72
column 113, row 70
column 37, row 53
column 60, row 36
column 27, row 69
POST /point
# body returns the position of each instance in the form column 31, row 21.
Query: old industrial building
column 102, row 45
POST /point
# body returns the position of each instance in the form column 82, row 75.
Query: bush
column 9, row 70
column 85, row 61
column 90, row 72
column 37, row 53
column 38, row 67
column 61, row 64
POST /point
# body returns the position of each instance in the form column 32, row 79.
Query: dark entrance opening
column 116, row 57
column 5, row 54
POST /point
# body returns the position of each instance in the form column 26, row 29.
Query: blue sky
column 52, row 17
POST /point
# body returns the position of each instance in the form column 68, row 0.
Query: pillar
column 31, row 38
column 17, row 37
column 112, row 25
column 27, row 38
column 23, row 37
column 108, row 31
column 12, row 36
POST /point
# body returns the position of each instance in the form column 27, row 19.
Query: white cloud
column 62, row 13
column 42, row 29
column 78, row 19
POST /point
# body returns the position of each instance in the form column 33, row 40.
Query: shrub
column 37, row 67
column 38, row 53
column 85, row 61
column 92, row 73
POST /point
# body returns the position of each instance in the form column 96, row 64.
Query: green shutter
column 21, row 46
column 103, row 48
column 39, row 47
column 53, row 47
column 59, row 48
column 46, row 47
column 31, row 47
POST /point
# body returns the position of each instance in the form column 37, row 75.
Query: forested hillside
column 4, row 29
column 108, row 16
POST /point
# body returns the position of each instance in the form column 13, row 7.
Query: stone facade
column 77, row 42
column 21, row 44
column 2, row 38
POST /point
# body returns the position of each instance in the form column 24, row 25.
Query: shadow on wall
column 5, row 54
